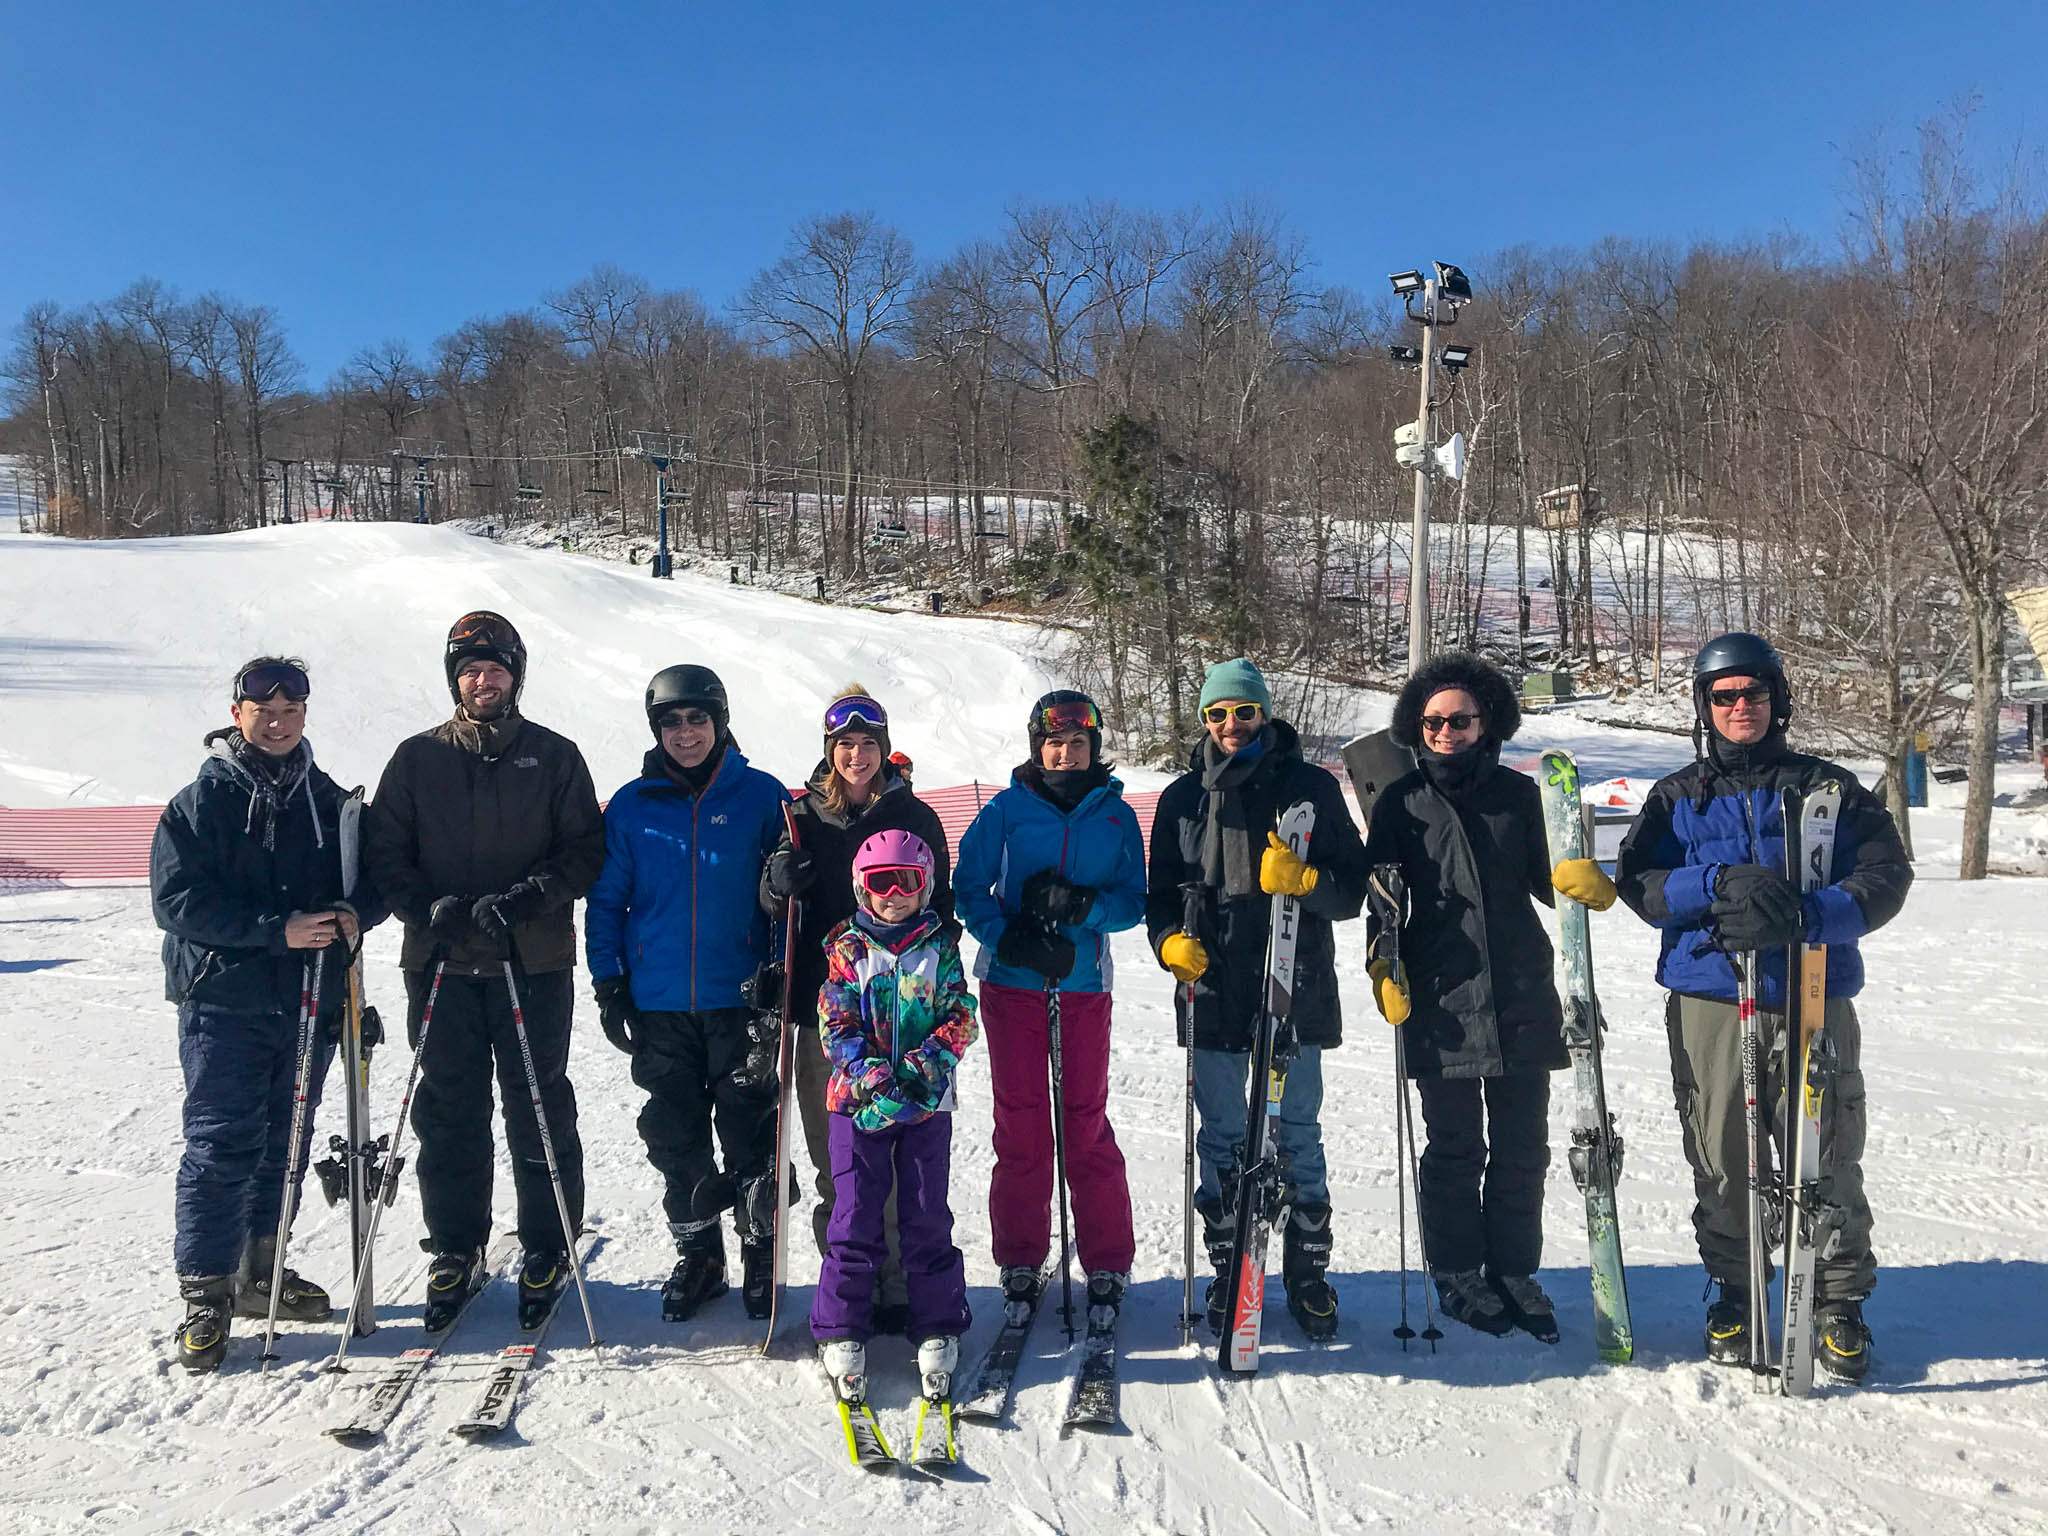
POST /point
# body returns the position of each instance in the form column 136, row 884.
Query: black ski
column 988, row 1391
column 1093, row 1395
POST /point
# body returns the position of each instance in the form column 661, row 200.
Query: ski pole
column 1190, row 916
column 1404, row 1333
column 309, row 1018
column 387, row 1184
column 1059, row 1146
column 547, row 1147
column 1430, row 1331
column 1752, row 1092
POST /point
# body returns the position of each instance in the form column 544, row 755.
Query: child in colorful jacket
column 894, row 1017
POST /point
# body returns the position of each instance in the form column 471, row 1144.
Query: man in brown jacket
column 484, row 832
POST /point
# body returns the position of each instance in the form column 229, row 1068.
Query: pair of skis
column 1093, row 1388
column 934, row 1435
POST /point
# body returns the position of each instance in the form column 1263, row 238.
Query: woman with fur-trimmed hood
column 1478, row 1002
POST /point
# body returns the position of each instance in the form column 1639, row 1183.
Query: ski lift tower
column 422, row 451
column 661, row 449
column 1415, row 446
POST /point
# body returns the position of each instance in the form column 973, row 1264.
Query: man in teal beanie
column 1216, row 864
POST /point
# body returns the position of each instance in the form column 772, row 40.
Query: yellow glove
column 1282, row 871
column 1390, row 990
column 1584, row 881
column 1182, row 954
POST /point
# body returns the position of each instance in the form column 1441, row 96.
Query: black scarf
column 1455, row 775
column 691, row 781
column 1064, row 787
column 1230, row 861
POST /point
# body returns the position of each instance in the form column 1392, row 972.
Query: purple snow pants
column 918, row 1158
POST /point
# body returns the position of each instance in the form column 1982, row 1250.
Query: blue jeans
column 1221, row 1096
column 239, row 1072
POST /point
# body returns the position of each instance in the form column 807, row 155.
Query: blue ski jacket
column 1019, row 833
column 674, row 907
column 1707, row 816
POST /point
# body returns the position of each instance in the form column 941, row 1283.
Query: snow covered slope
column 113, row 661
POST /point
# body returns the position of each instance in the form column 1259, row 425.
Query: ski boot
column 1304, row 1266
column 699, row 1276
column 1842, row 1341
column 302, row 1300
column 1105, row 1299
column 202, row 1339
column 1219, row 1236
column 453, row 1277
column 543, row 1272
column 1465, row 1296
column 757, row 1273
column 1527, row 1307
column 1728, row 1325
column 846, row 1362
column 938, row 1362
column 1020, row 1293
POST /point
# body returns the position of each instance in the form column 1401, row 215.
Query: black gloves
column 617, row 1014
column 791, row 872
column 1755, row 907
column 448, row 920
column 1047, row 895
column 1029, row 945
column 496, row 916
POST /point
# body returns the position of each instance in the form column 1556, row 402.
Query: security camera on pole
column 662, row 449
column 1414, row 444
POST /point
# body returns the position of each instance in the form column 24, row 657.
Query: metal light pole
column 1418, row 537
column 662, row 449
column 422, row 451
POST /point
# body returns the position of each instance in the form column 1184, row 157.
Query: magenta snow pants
column 1013, row 1029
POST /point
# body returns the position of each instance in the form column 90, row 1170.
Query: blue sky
column 379, row 170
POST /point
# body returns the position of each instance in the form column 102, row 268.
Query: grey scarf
column 488, row 739
column 1230, row 864
column 270, row 782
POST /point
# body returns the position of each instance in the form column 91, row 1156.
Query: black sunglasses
column 1728, row 698
column 1459, row 722
column 676, row 719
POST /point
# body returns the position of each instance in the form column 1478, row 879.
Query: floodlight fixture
column 1452, row 283
column 1455, row 359
column 1406, row 356
column 1406, row 283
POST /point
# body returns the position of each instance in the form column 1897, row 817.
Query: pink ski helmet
column 893, row 861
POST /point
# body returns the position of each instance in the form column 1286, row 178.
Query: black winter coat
column 832, row 840
column 1230, row 997
column 222, row 898
column 1478, row 957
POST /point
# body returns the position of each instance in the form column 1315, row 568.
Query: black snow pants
column 697, row 1068
column 451, row 1110
column 1483, row 1169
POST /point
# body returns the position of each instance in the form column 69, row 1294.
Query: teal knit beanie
column 1236, row 678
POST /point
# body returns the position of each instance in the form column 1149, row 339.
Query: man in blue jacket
column 246, row 882
column 674, row 932
column 1704, row 863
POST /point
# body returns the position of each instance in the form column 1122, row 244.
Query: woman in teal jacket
column 1050, row 868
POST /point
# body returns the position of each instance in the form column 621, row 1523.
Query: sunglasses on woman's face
column 676, row 719
column 907, row 879
column 1244, row 714
column 1436, row 723
column 1728, row 698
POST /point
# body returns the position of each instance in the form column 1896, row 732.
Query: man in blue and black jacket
column 1705, row 864
column 674, row 934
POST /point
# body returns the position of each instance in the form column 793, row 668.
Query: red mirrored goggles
column 893, row 879
column 1077, row 716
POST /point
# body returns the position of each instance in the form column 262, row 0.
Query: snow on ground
column 113, row 661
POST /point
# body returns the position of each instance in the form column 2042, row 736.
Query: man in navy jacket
column 1704, row 863
column 246, row 882
column 674, row 933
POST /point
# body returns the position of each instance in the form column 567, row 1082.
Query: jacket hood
column 1457, row 669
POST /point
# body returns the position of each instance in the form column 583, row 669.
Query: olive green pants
column 1706, row 1080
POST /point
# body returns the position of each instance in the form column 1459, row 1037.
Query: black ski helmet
column 487, row 636
column 1076, row 703
column 1739, row 652
column 681, row 687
